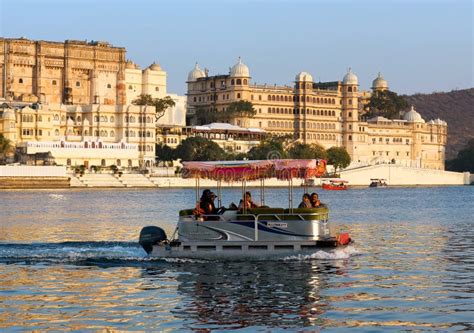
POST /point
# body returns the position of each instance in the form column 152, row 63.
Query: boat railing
column 277, row 218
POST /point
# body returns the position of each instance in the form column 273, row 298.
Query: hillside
column 456, row 108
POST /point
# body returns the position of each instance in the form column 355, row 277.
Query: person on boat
column 306, row 201
column 315, row 200
column 247, row 203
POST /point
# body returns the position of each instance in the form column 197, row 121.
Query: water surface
column 69, row 261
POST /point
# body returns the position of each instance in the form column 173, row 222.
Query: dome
column 129, row 64
column 350, row 78
column 240, row 69
column 196, row 73
column 413, row 116
column 8, row 113
column 155, row 67
column 379, row 83
column 303, row 77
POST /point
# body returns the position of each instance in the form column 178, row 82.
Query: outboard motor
column 150, row 236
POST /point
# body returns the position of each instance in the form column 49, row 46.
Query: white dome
column 413, row 116
column 240, row 69
column 350, row 78
column 9, row 113
column 303, row 77
column 196, row 73
column 155, row 67
column 379, row 83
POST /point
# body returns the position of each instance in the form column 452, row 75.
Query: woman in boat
column 315, row 200
column 248, row 203
column 306, row 202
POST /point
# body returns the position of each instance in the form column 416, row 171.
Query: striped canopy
column 252, row 170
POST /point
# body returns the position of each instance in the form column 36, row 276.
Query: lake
column 69, row 260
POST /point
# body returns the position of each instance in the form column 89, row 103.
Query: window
column 157, row 89
column 350, row 137
column 20, row 81
column 245, row 81
column 54, row 82
column 239, row 82
column 238, row 95
column 232, row 82
column 130, row 87
column 109, row 85
column 78, row 84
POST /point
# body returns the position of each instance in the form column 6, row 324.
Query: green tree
column 305, row 151
column 338, row 157
column 6, row 148
column 271, row 148
column 165, row 153
column 204, row 116
column 160, row 104
column 464, row 161
column 199, row 149
column 386, row 104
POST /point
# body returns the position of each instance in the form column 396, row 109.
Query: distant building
column 74, row 100
column 326, row 113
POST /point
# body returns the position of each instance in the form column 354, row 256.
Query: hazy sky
column 419, row 46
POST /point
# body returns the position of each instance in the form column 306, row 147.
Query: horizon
column 404, row 41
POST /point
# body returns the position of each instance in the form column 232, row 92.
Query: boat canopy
column 252, row 170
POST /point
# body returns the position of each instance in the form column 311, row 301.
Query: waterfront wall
column 32, row 171
column 404, row 176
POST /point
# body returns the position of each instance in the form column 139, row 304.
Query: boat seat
column 186, row 212
column 265, row 213
column 309, row 213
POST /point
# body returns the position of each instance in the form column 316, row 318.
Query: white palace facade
column 74, row 100
column 328, row 113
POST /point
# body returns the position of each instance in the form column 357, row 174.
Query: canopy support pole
column 197, row 190
column 262, row 192
column 290, row 194
column 219, row 193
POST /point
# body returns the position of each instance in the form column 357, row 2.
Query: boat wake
column 120, row 254
column 337, row 254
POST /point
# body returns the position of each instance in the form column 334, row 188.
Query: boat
column 335, row 184
column 378, row 182
column 248, row 232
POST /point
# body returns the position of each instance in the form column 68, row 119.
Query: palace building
column 326, row 113
column 74, row 99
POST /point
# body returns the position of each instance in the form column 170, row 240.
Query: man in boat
column 247, row 203
column 315, row 200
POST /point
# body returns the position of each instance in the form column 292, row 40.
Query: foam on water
column 344, row 253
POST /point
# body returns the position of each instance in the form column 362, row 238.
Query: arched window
column 54, row 82
column 56, row 117
column 349, row 89
column 78, row 119
column 277, row 98
column 238, row 95
column 112, row 119
column 232, row 82
column 102, row 163
column 273, row 97
column 245, row 81
column 68, row 162
column 148, row 134
column 239, row 82
column 56, row 132
column 96, row 133
column 148, row 119
column 20, row 81
column 130, row 87
column 112, row 134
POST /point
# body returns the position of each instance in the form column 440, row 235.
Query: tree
column 204, row 116
column 386, row 104
column 338, row 157
column 160, row 104
column 268, row 149
column 464, row 161
column 199, row 149
column 165, row 153
column 6, row 147
column 305, row 151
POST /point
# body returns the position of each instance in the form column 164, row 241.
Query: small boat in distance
column 257, row 231
column 335, row 184
column 378, row 182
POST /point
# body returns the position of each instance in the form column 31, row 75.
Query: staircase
column 100, row 180
column 135, row 180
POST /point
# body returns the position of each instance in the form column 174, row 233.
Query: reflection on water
column 69, row 260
